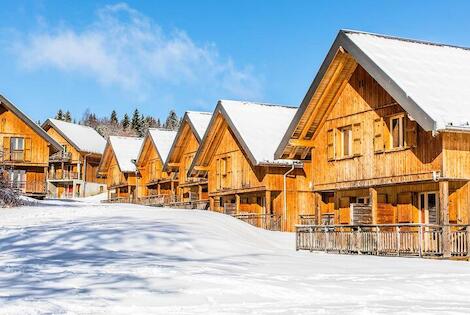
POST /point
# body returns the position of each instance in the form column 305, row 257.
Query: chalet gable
column 257, row 127
column 28, row 121
column 429, row 81
column 161, row 139
column 125, row 151
column 83, row 138
column 194, row 123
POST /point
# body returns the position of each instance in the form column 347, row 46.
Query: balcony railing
column 384, row 239
column 63, row 175
column 61, row 156
column 28, row 187
column 265, row 221
column 119, row 200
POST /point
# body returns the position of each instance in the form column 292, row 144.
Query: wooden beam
column 301, row 143
column 268, row 202
column 173, row 164
column 373, row 203
column 444, row 217
column 237, row 203
column 201, row 168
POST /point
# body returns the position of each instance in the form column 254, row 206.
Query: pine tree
column 59, row 115
column 68, row 117
column 114, row 118
column 136, row 123
column 158, row 124
column 172, row 121
column 125, row 122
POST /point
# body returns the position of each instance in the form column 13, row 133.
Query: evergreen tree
column 68, row 117
column 59, row 115
column 172, row 121
column 125, row 122
column 136, row 123
column 158, row 123
column 114, row 118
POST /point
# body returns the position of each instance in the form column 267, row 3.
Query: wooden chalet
column 117, row 166
column 385, row 125
column 244, row 180
column 191, row 191
column 25, row 150
column 156, row 187
column 73, row 171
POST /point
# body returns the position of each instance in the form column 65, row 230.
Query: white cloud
column 124, row 48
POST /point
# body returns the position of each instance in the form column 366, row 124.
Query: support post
column 317, row 209
column 373, row 204
column 444, row 217
column 237, row 203
column 267, row 208
column 199, row 192
column 467, row 236
column 211, row 203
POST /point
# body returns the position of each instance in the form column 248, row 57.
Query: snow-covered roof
column 435, row 77
column 260, row 127
column 83, row 138
column 126, row 149
column 200, row 121
column 162, row 139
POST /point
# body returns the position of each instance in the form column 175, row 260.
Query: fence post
column 420, row 240
column 398, row 241
column 377, row 231
column 359, row 240
column 467, row 236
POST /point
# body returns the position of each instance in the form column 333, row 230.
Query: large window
column 17, row 148
column 397, row 139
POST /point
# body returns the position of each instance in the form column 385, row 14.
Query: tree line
column 135, row 125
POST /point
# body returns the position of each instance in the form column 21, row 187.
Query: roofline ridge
column 404, row 39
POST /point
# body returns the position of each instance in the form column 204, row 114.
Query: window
column 396, row 132
column 346, row 141
column 363, row 200
column 17, row 148
column 64, row 148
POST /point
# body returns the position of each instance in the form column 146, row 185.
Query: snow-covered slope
column 90, row 258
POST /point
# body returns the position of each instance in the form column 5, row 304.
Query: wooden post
column 317, row 203
column 237, row 203
column 420, row 235
column 373, row 203
column 199, row 192
column 267, row 208
column 158, row 189
column 211, row 203
column 444, row 217
column 467, row 235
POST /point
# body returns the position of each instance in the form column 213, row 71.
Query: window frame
column 342, row 131
column 401, row 131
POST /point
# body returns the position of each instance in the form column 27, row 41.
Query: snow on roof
column 436, row 77
column 163, row 140
column 200, row 121
column 261, row 126
column 126, row 149
column 85, row 138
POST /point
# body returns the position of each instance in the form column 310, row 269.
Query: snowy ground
column 87, row 258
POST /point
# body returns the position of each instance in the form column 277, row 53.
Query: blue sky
column 159, row 55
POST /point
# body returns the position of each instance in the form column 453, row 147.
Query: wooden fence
column 384, row 239
column 265, row 221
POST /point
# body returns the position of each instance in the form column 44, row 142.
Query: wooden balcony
column 60, row 156
column 265, row 221
column 419, row 240
column 63, row 175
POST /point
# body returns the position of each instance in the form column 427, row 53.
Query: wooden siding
column 364, row 103
column 150, row 168
column 234, row 180
column 33, row 159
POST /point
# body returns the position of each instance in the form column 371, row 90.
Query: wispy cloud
column 127, row 49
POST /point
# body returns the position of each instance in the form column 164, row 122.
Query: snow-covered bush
column 9, row 197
